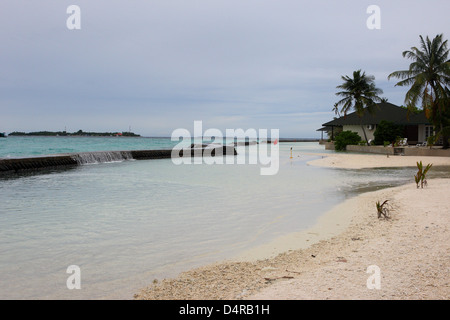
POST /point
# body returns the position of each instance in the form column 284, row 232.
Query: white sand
column 412, row 251
column 329, row 261
column 360, row 161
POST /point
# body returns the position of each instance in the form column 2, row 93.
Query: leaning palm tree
column 359, row 94
column 429, row 78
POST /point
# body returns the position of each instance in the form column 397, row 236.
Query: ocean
column 126, row 223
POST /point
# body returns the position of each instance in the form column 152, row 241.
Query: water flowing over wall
column 102, row 157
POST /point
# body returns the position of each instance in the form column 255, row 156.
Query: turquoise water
column 127, row 223
column 29, row 146
column 14, row 146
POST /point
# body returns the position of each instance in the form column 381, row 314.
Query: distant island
column 78, row 133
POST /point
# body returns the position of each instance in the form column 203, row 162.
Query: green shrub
column 346, row 138
column 387, row 131
column 397, row 141
column 431, row 140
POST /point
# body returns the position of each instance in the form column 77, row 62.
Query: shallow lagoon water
column 125, row 224
column 29, row 146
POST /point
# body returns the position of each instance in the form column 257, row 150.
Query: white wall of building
column 359, row 131
column 424, row 132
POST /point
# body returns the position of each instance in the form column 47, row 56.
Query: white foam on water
column 102, row 157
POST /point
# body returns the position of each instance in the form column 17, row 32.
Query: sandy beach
column 336, row 259
column 361, row 161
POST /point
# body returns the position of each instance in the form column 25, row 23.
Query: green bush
column 387, row 131
column 346, row 138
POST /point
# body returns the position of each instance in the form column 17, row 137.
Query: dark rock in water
column 208, row 150
column 151, row 154
column 246, row 143
column 198, row 145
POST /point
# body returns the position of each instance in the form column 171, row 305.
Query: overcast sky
column 158, row 65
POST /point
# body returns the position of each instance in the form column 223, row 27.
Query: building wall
column 329, row 145
column 421, row 133
column 358, row 130
column 423, row 130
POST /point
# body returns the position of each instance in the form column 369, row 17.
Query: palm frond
column 358, row 93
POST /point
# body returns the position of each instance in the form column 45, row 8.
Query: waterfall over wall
column 102, row 157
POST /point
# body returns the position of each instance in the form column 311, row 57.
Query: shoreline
column 411, row 251
column 330, row 224
column 310, row 264
column 405, row 248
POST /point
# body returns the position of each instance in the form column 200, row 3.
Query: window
column 428, row 132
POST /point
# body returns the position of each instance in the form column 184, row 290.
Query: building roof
column 327, row 128
column 383, row 111
column 418, row 118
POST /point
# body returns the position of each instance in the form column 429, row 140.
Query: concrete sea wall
column 74, row 159
column 36, row 163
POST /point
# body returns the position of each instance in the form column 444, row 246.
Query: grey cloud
column 158, row 65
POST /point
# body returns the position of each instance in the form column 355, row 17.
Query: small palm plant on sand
column 420, row 177
column 383, row 210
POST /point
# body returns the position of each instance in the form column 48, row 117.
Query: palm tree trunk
column 364, row 131
column 445, row 138
column 365, row 135
column 436, row 102
column 445, row 144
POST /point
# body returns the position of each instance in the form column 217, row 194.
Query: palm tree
column 360, row 94
column 429, row 78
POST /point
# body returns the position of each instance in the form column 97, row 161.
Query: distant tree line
column 78, row 133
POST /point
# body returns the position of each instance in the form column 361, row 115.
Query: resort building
column 417, row 127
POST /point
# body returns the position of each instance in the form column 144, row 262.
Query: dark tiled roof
column 419, row 118
column 383, row 111
column 327, row 128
